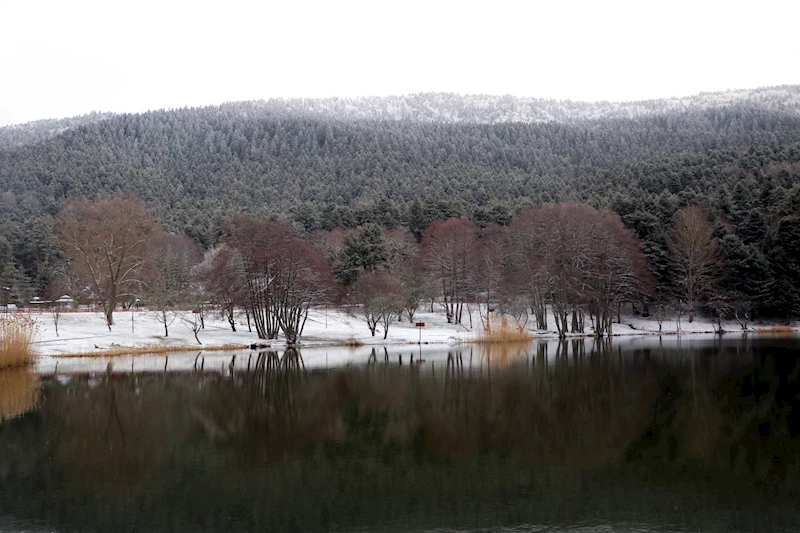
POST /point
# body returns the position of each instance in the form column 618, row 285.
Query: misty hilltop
column 490, row 109
column 451, row 108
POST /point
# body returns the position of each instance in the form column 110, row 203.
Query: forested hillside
column 409, row 160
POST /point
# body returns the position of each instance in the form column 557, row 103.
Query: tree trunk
column 230, row 317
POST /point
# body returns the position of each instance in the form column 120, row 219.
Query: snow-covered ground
column 86, row 332
column 327, row 332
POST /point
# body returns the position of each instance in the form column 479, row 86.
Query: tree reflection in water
column 557, row 435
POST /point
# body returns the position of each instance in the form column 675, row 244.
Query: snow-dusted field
column 326, row 334
column 86, row 332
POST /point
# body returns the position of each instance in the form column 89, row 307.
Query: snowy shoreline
column 85, row 333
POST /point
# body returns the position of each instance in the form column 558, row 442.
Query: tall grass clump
column 19, row 392
column 16, row 337
column 501, row 329
column 352, row 342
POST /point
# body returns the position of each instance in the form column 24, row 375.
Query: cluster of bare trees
column 265, row 267
column 571, row 259
column 580, row 261
column 116, row 253
column 583, row 261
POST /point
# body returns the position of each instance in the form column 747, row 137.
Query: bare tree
column 448, row 248
column 617, row 269
column 251, row 240
column 697, row 258
column 663, row 309
column 301, row 279
column 740, row 307
column 167, row 275
column 222, row 279
column 380, row 297
column 526, row 271
column 720, row 306
column 331, row 243
column 517, row 308
column 417, row 286
column 490, row 254
column 400, row 246
column 107, row 242
column 61, row 284
column 194, row 325
column 284, row 275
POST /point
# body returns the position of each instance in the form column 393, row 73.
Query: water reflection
column 19, row 392
column 567, row 435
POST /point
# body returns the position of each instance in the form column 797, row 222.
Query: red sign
column 420, row 324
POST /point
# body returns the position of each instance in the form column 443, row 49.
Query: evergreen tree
column 362, row 253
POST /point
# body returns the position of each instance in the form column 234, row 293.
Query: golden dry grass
column 775, row 329
column 118, row 351
column 503, row 329
column 16, row 335
column 352, row 342
column 19, row 392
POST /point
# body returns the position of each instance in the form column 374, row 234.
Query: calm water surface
column 639, row 435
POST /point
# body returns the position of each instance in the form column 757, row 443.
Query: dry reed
column 117, row 351
column 19, row 392
column 16, row 335
column 352, row 342
column 775, row 329
column 502, row 329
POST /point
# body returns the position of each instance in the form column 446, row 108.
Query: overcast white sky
column 61, row 58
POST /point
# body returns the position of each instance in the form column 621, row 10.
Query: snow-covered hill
column 448, row 107
column 451, row 108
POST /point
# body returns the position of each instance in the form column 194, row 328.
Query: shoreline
column 85, row 334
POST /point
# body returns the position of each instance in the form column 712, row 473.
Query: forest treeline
column 195, row 168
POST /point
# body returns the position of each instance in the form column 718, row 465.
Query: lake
column 642, row 434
